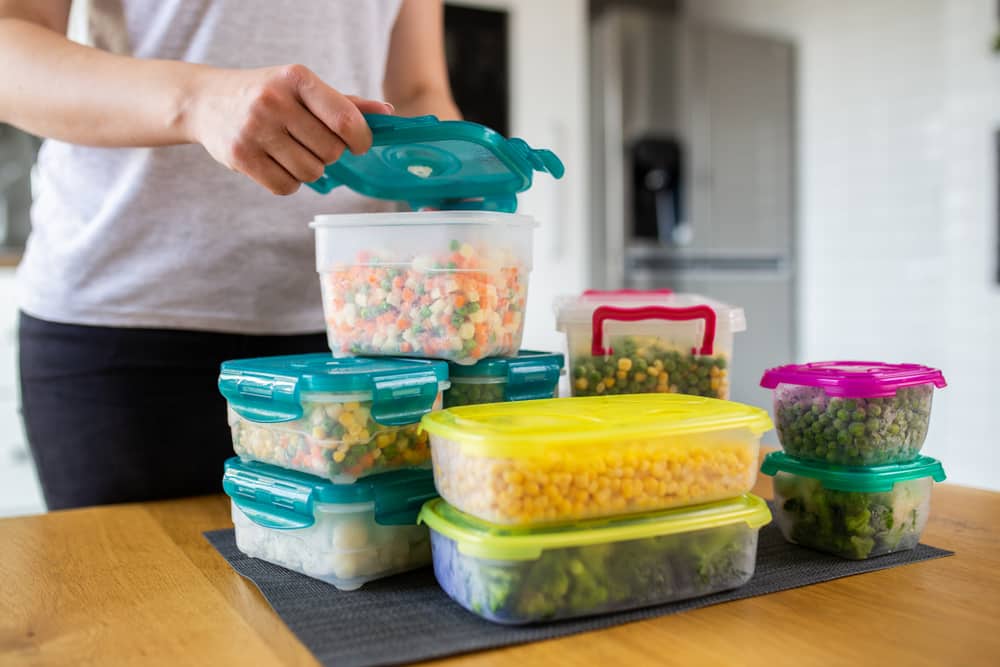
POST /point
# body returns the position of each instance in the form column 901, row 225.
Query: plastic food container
column 336, row 418
column 855, row 513
column 527, row 575
column 343, row 534
column 529, row 376
column 853, row 412
column 630, row 342
column 444, row 284
column 536, row 462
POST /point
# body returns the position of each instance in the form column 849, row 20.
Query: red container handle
column 665, row 291
column 606, row 313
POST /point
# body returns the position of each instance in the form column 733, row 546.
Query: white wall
column 898, row 102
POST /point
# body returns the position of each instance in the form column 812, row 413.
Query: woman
column 148, row 262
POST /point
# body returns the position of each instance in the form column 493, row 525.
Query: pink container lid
column 854, row 379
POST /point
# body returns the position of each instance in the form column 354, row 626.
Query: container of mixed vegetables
column 655, row 341
column 528, row 376
column 855, row 513
column 341, row 419
column 524, row 575
column 854, row 413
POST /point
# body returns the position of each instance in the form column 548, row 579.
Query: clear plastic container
column 537, row 462
column 518, row 576
column 528, row 376
column 436, row 284
column 343, row 534
column 341, row 419
column 855, row 513
column 656, row 341
column 854, row 413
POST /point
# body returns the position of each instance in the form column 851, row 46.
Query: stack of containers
column 851, row 480
column 558, row 508
column 331, row 466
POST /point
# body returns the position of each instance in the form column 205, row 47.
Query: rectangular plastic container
column 528, row 376
column 537, row 462
column 656, row 341
column 518, row 576
column 854, row 413
column 343, row 534
column 341, row 419
column 855, row 513
column 440, row 284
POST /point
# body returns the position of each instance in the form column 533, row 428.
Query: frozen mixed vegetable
column 474, row 393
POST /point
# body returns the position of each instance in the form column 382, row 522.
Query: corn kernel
column 624, row 364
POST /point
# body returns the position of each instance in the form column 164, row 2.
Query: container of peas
column 653, row 341
column 528, row 376
column 853, row 413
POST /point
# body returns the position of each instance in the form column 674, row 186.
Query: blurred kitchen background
column 832, row 167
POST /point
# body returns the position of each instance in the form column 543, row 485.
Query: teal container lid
column 528, row 376
column 271, row 389
column 274, row 497
column 870, row 479
column 445, row 165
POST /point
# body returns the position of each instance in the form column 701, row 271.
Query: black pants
column 121, row 415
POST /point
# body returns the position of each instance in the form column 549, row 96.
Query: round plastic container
column 439, row 284
column 855, row 513
column 336, row 418
column 854, row 413
column 343, row 534
column 529, row 376
column 529, row 575
column 631, row 342
column 537, row 462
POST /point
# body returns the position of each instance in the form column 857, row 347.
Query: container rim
column 423, row 218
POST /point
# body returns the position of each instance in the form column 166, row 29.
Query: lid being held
column 430, row 163
column 529, row 375
column 277, row 498
column 271, row 389
column 854, row 379
column 868, row 479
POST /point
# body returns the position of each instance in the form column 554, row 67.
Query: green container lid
column 285, row 499
column 529, row 375
column 869, row 479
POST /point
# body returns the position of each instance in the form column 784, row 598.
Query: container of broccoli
column 853, row 413
column 528, row 376
column 855, row 513
column 520, row 576
column 653, row 341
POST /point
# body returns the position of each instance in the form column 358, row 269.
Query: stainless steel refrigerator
column 693, row 143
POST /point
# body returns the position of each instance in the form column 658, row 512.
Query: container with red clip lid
column 645, row 341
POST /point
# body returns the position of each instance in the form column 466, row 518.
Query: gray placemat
column 408, row 618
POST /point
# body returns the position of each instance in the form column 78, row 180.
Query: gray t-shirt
column 167, row 237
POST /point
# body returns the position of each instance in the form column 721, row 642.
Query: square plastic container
column 343, row 534
column 336, row 418
column 631, row 342
column 854, row 413
column 518, row 576
column 528, row 376
column 537, row 462
column 439, row 284
column 855, row 513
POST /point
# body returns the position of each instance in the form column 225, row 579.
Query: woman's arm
column 416, row 74
column 278, row 125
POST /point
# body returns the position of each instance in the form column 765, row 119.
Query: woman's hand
column 279, row 125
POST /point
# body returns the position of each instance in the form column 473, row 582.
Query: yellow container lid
column 481, row 539
column 530, row 427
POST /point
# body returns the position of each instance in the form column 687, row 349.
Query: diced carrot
column 405, row 348
column 402, row 324
column 459, row 300
column 408, row 294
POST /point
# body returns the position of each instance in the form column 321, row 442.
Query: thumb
column 371, row 106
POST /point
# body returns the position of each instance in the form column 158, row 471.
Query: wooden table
column 139, row 583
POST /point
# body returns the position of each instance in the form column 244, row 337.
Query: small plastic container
column 524, row 576
column 537, row 462
column 854, row 413
column 528, row 376
column 656, row 341
column 445, row 284
column 343, row 534
column 336, row 418
column 855, row 513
